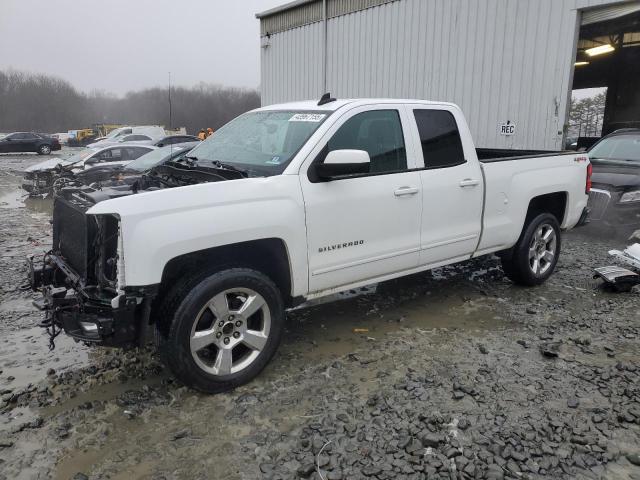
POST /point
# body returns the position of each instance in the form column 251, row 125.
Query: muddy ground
column 450, row 374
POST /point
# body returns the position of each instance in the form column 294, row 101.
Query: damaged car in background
column 614, row 201
column 39, row 179
column 204, row 255
column 110, row 177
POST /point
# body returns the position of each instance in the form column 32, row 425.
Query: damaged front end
column 82, row 280
column 37, row 183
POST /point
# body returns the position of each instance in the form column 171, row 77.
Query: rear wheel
column 44, row 150
column 224, row 329
column 533, row 259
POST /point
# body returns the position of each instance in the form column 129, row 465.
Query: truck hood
column 160, row 179
column 171, row 200
column 616, row 175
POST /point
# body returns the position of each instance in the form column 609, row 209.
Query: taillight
column 587, row 188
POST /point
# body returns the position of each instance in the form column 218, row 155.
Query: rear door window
column 440, row 138
column 135, row 152
column 111, row 155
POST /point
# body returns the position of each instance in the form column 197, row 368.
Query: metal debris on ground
column 619, row 278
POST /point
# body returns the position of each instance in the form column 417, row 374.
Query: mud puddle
column 12, row 196
column 345, row 322
column 27, row 358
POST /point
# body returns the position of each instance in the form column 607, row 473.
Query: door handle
column 469, row 182
column 403, row 191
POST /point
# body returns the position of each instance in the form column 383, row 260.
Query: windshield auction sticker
column 307, row 117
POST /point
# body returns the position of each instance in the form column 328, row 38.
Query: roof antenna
column 326, row 98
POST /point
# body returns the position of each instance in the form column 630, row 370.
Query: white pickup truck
column 288, row 203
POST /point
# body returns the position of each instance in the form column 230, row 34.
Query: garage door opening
column 608, row 58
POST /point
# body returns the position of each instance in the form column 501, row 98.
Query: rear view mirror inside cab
column 343, row 162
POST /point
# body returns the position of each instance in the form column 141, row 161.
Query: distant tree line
column 43, row 103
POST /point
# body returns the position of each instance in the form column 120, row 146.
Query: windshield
column 80, row 156
column 619, row 148
column 155, row 157
column 117, row 132
column 260, row 142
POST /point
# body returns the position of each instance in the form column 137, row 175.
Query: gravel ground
column 451, row 374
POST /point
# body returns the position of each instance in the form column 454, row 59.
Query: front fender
column 161, row 225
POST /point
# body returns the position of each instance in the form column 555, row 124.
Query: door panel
column 451, row 215
column 358, row 229
column 29, row 144
column 452, row 185
column 364, row 227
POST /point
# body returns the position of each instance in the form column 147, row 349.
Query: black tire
column 518, row 264
column 185, row 308
column 44, row 149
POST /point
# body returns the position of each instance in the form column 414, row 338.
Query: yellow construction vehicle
column 84, row 136
column 81, row 137
column 103, row 129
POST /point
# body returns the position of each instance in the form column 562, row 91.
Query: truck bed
column 511, row 182
column 489, row 155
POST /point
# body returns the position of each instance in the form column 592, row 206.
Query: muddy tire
column 44, row 150
column 534, row 257
column 221, row 329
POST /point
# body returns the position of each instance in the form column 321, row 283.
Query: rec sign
column 507, row 129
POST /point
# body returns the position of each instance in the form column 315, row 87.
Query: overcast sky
column 121, row 45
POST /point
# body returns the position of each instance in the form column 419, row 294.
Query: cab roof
column 312, row 105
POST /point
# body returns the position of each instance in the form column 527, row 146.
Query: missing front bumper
column 86, row 313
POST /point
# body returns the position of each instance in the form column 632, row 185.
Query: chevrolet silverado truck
column 289, row 203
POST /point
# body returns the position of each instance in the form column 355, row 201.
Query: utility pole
column 325, row 53
column 170, row 119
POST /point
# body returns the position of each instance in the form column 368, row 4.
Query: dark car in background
column 19, row 142
column 173, row 139
column 614, row 200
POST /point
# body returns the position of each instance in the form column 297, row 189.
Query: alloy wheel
column 542, row 249
column 230, row 331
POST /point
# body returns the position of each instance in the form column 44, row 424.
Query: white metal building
column 502, row 61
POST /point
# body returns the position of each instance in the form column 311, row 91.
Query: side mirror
column 343, row 162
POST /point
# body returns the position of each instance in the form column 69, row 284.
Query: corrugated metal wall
column 500, row 60
column 292, row 65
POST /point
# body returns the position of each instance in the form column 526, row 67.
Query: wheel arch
column 554, row 203
column 269, row 256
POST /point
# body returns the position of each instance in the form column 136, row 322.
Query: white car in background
column 63, row 137
column 39, row 178
column 150, row 133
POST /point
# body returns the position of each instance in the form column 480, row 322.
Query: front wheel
column 224, row 329
column 44, row 150
column 533, row 259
